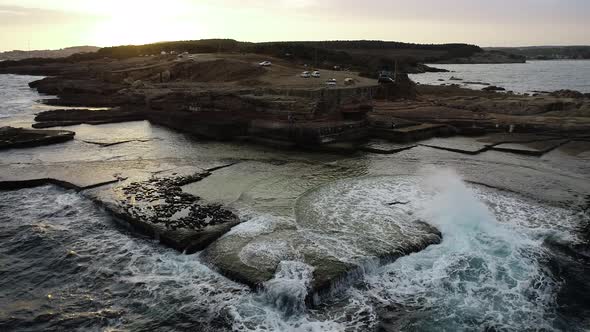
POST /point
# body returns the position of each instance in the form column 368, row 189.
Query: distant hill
column 547, row 52
column 48, row 54
column 365, row 56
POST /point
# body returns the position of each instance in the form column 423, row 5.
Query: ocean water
column 66, row 264
column 527, row 77
column 505, row 262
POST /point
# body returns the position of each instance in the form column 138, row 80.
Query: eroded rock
column 339, row 230
column 158, row 207
column 11, row 138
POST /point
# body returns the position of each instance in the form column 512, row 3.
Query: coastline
column 422, row 126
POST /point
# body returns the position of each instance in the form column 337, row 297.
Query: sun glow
column 144, row 23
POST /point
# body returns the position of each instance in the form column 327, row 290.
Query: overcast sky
column 41, row 24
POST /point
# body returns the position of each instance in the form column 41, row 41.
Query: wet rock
column 70, row 117
column 139, row 84
column 534, row 148
column 493, row 88
column 476, row 83
column 158, row 207
column 11, row 138
column 576, row 148
column 567, row 94
column 385, row 147
column 337, row 249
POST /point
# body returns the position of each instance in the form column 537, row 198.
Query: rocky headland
column 231, row 97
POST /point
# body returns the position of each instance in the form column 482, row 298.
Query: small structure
column 386, row 77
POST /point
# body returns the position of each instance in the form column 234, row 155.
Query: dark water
column 66, row 265
column 510, row 260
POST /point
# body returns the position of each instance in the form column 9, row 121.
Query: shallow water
column 68, row 265
column 528, row 77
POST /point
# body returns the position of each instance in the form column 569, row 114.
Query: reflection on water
column 520, row 77
column 66, row 265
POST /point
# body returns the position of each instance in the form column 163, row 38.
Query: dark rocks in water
column 572, row 265
column 398, row 203
column 11, row 138
column 567, row 94
column 493, row 88
column 161, row 200
column 61, row 86
column 477, row 83
column 72, row 117
column 158, row 207
column 429, row 69
column 422, row 68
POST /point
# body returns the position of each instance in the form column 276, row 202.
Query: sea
column 531, row 77
column 514, row 254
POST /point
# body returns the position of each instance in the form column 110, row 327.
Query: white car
column 265, row 64
column 316, row 74
column 332, row 81
column 305, row 74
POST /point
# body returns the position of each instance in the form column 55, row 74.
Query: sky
column 52, row 24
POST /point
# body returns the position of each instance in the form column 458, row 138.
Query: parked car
column 332, row 81
column 305, row 74
column 316, row 74
column 265, row 64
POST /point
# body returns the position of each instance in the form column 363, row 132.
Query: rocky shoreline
column 228, row 98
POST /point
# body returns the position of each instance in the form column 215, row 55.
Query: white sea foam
column 487, row 273
column 484, row 274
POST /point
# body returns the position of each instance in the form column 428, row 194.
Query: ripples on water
column 67, row 265
column 519, row 77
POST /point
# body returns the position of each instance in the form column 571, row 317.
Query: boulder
column 567, row 94
column 165, row 76
column 493, row 88
column 138, row 85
